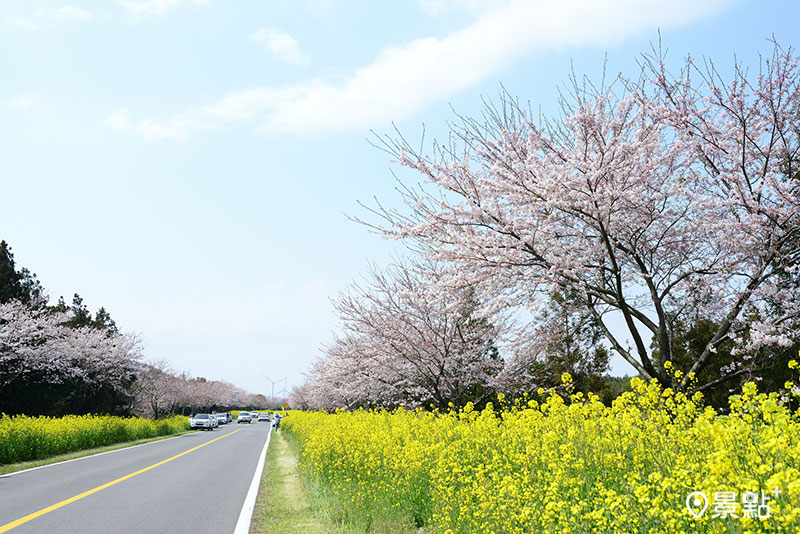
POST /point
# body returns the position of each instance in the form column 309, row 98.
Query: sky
column 190, row 165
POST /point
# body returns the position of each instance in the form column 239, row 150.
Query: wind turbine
column 273, row 382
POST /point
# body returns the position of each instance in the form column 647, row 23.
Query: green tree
column 79, row 314
column 16, row 284
column 103, row 321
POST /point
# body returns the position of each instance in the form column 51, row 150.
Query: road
column 201, row 491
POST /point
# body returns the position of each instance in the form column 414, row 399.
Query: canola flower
column 558, row 465
column 24, row 438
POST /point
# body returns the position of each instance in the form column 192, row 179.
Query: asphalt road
column 200, row 492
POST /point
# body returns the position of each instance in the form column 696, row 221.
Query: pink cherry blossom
column 652, row 200
column 406, row 341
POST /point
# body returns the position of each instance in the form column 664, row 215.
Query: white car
column 254, row 416
column 263, row 417
column 222, row 418
column 244, row 417
column 203, row 421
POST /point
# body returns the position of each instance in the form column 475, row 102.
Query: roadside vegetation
column 286, row 505
column 653, row 218
column 291, row 500
column 30, row 464
column 60, row 359
column 24, row 438
column 557, row 464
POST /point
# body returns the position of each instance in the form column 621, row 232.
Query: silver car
column 244, row 417
column 203, row 421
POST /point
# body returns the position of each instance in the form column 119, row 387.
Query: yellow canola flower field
column 25, row 438
column 557, row 466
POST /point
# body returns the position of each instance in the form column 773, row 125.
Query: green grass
column 289, row 503
column 20, row 466
column 283, row 504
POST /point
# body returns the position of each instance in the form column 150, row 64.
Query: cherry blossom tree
column 300, row 397
column 349, row 376
column 651, row 200
column 52, row 364
column 157, row 390
column 406, row 341
column 31, row 343
column 42, row 357
column 199, row 395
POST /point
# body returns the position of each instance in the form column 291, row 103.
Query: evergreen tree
column 103, row 321
column 9, row 278
column 32, row 290
column 16, row 284
column 61, row 306
column 79, row 314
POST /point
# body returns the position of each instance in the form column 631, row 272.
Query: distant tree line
column 160, row 391
column 62, row 359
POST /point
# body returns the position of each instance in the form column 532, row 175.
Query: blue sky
column 188, row 164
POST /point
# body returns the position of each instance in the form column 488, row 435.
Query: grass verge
column 20, row 466
column 283, row 504
column 289, row 503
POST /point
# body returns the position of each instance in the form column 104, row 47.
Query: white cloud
column 280, row 45
column 176, row 128
column 65, row 13
column 58, row 14
column 155, row 8
column 119, row 120
column 403, row 80
column 23, row 102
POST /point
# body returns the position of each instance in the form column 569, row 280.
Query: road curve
column 196, row 483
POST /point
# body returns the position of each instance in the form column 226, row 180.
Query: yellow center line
column 34, row 515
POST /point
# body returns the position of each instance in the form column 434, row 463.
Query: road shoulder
column 283, row 504
column 16, row 468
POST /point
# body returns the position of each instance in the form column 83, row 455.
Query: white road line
column 246, row 515
column 44, row 511
column 89, row 456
